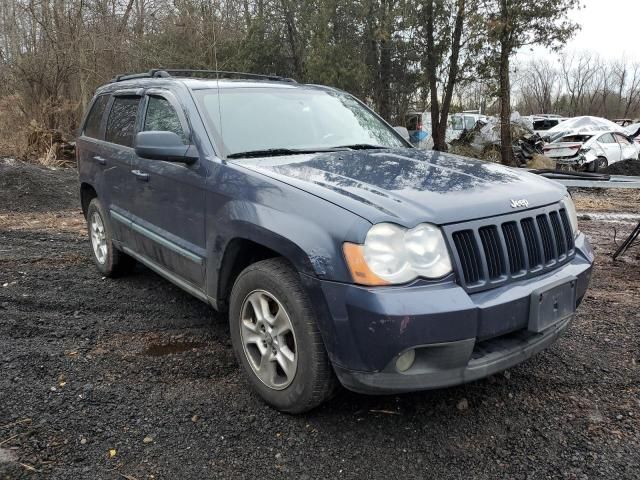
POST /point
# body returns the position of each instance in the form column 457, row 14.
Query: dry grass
column 607, row 200
column 64, row 221
column 32, row 140
column 540, row 162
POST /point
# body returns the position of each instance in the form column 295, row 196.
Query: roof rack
column 171, row 72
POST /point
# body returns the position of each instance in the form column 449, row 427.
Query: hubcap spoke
column 267, row 368
column 285, row 359
column 281, row 323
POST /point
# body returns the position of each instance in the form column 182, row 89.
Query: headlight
column 392, row 254
column 571, row 213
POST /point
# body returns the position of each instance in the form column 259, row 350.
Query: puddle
column 157, row 350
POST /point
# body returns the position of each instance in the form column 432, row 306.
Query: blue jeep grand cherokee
column 338, row 251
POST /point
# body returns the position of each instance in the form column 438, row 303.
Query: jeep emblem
column 519, row 203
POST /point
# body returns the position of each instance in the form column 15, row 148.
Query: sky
column 609, row 28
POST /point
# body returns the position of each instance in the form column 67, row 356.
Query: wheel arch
column 242, row 251
column 87, row 193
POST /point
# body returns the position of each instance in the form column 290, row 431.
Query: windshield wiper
column 274, row 152
column 362, row 146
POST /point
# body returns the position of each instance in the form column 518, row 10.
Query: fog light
column 405, row 361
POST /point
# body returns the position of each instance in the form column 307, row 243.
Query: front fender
column 301, row 227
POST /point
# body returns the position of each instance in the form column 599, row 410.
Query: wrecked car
column 589, row 144
column 341, row 254
column 591, row 152
column 483, row 140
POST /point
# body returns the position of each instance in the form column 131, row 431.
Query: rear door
column 629, row 149
column 169, row 213
column 611, row 147
column 91, row 162
column 118, row 156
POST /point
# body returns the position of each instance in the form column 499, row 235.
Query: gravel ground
column 133, row 378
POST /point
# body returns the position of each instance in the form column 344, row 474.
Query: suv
column 339, row 252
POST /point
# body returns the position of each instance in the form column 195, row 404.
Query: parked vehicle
column 542, row 123
column 460, row 122
column 418, row 125
column 338, row 251
column 592, row 151
column 484, row 140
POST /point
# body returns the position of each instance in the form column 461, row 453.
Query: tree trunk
column 506, row 142
column 440, row 111
column 384, row 76
column 437, row 131
column 453, row 73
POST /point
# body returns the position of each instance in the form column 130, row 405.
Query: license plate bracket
column 552, row 304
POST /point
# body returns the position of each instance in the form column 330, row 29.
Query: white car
column 591, row 151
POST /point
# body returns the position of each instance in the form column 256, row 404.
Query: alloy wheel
column 268, row 339
column 98, row 238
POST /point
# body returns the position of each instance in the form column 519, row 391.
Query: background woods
column 397, row 55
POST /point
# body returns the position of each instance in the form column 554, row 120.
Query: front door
column 169, row 211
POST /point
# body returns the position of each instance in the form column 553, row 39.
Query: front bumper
column 458, row 337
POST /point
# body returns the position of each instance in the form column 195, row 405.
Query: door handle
column 143, row 177
column 100, row 160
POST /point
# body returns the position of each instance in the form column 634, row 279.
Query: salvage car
column 340, row 253
column 592, row 151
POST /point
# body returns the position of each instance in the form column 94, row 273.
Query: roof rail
column 172, row 72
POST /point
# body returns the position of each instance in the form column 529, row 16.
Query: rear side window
column 606, row 138
column 121, row 125
column 92, row 125
column 161, row 116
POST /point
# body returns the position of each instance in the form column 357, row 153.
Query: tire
column 308, row 379
column 110, row 261
column 599, row 164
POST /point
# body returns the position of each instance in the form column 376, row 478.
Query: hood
column 408, row 186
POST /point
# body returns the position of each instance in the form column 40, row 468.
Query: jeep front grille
column 488, row 253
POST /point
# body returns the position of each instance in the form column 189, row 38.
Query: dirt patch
column 133, row 378
column 619, row 200
column 25, row 187
column 625, row 167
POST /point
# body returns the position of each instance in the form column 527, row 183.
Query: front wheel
column 276, row 339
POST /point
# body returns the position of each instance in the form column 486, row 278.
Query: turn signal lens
column 360, row 271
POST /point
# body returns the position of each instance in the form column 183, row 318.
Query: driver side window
column 161, row 116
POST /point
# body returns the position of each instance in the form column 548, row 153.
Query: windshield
column 253, row 119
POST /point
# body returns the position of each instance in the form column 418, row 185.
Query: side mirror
column 403, row 132
column 165, row 146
